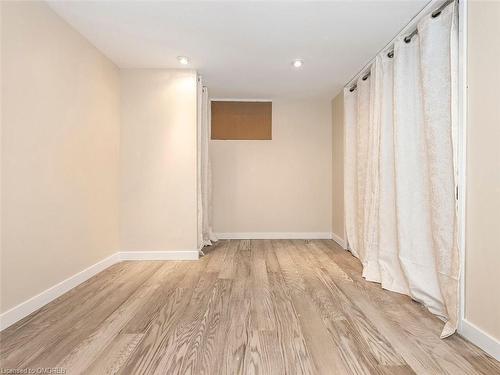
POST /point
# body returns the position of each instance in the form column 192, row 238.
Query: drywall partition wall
column 158, row 198
column 482, row 300
column 338, row 229
column 60, row 123
column 279, row 187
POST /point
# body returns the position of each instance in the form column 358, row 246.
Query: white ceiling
column 244, row 49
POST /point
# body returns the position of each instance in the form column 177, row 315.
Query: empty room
column 250, row 187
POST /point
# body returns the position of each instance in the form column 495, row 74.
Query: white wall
column 482, row 303
column 277, row 186
column 60, row 140
column 158, row 200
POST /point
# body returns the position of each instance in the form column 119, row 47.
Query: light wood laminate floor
column 247, row 307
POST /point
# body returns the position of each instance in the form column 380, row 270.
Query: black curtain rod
column 407, row 39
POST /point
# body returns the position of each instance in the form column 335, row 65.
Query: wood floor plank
column 396, row 370
column 22, row 332
column 87, row 351
column 288, row 270
column 163, row 285
column 272, row 264
column 271, row 355
column 228, row 266
column 202, row 356
column 262, row 310
column 420, row 346
column 316, row 319
column 235, row 345
column 246, row 307
column 318, row 341
column 210, row 357
column 55, row 342
column 483, row 363
column 296, row 355
column 342, row 323
column 418, row 356
column 112, row 358
column 87, row 326
column 217, row 252
column 363, row 334
column 179, row 351
column 159, row 337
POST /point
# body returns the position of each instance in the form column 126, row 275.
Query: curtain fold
column 391, row 273
column 413, row 209
column 371, row 269
column 400, row 172
column 350, row 170
column 205, row 233
column 206, row 173
column 362, row 136
column 439, row 66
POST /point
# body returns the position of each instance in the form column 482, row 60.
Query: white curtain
column 400, row 139
column 350, row 168
column 206, row 234
column 391, row 274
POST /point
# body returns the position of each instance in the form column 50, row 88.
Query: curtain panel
column 400, row 168
column 205, row 233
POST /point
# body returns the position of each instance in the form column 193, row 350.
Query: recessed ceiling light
column 183, row 60
column 297, row 63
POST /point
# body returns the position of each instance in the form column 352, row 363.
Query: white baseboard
column 275, row 236
column 339, row 240
column 34, row 303
column 480, row 338
column 160, row 255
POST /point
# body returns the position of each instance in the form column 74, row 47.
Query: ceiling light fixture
column 183, row 60
column 297, row 63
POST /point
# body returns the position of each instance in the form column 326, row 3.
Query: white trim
column 199, row 205
column 480, row 338
column 239, row 100
column 34, row 303
column 466, row 329
column 275, row 236
column 339, row 240
column 160, row 255
column 462, row 151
